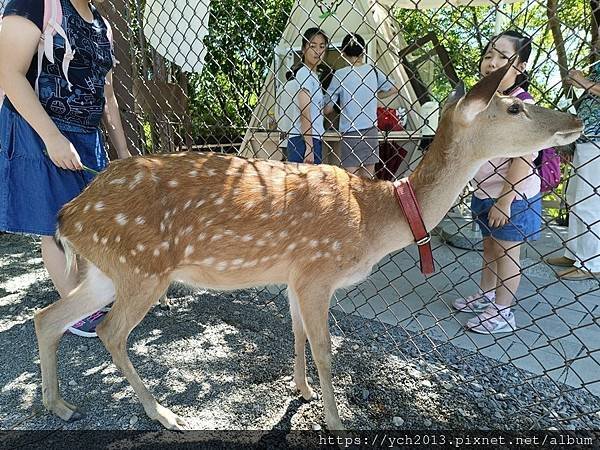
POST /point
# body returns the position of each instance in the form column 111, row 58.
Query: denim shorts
column 525, row 221
column 296, row 148
column 32, row 188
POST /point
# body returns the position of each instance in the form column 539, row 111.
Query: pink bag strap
column 109, row 34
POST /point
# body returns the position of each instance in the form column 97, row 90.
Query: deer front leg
column 131, row 306
column 314, row 309
column 299, row 349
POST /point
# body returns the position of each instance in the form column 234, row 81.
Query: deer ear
column 480, row 96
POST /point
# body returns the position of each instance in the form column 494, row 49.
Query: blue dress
column 32, row 188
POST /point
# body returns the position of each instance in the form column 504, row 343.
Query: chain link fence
column 212, row 76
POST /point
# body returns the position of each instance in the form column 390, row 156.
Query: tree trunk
column 554, row 25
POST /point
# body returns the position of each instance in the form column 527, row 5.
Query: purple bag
column 547, row 162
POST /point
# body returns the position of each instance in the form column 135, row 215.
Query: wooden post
column 116, row 12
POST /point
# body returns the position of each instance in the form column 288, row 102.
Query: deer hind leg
column 134, row 300
column 94, row 292
column 313, row 300
column 299, row 348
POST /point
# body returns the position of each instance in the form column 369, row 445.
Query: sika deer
column 224, row 223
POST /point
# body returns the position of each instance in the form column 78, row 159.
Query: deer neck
column 441, row 176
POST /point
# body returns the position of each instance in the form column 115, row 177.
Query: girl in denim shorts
column 506, row 205
column 49, row 121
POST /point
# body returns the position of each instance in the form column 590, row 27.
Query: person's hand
column 577, row 79
column 63, row 153
column 499, row 213
column 309, row 156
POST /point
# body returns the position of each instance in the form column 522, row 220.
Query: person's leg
column 509, row 272
column 584, row 238
column 489, row 269
column 318, row 150
column 56, row 265
column 498, row 317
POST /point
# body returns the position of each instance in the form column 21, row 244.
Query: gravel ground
column 224, row 362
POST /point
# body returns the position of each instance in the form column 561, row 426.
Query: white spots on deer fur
column 137, row 179
column 187, row 205
column 162, row 227
column 283, row 234
column 261, row 243
column 122, row 259
column 79, row 227
column 121, row 219
column 236, row 191
column 87, row 207
column 325, row 241
column 338, row 258
column 165, row 245
column 336, row 246
column 216, row 237
column 291, row 247
column 201, row 237
column 140, row 247
column 249, row 205
column 316, row 256
column 155, row 178
column 264, row 216
column 211, row 172
column 187, row 230
column 219, row 201
column 118, row 181
column 247, row 238
column 188, row 250
column 221, row 266
column 99, row 206
column 268, row 234
column 95, row 237
column 118, row 238
column 278, row 214
column 173, row 183
column 264, row 259
column 136, row 270
column 199, row 203
column 139, row 220
column 313, row 243
column 176, row 241
column 209, row 222
column 193, row 173
column 213, row 195
column 304, row 239
column 104, row 240
column 237, row 217
column 156, row 252
column 229, row 233
column 208, row 261
column 307, row 215
column 252, row 263
column 237, row 262
column 133, row 252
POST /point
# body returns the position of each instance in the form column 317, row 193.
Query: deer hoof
column 170, row 420
column 65, row 411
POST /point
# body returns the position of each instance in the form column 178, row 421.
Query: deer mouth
column 566, row 137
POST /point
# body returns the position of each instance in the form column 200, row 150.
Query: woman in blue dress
column 49, row 121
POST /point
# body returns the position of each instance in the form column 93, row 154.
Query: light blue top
column 309, row 81
column 355, row 89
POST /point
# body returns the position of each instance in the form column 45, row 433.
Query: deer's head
column 489, row 125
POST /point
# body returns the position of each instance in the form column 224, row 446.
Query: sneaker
column 474, row 303
column 87, row 327
column 492, row 321
column 561, row 261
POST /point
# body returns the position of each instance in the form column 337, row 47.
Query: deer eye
column 515, row 108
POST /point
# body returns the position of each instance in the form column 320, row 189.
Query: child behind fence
column 506, row 203
column 355, row 88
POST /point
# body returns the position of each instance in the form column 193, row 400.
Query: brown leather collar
column 409, row 206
